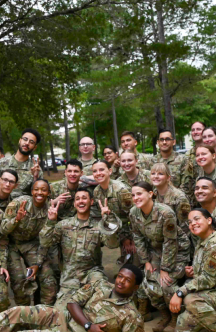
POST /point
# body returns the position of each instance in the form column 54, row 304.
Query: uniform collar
column 202, row 243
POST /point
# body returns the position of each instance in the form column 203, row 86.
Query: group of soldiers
column 145, row 205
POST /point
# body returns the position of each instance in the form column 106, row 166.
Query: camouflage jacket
column 176, row 199
column 175, row 163
column 119, row 201
column 3, row 245
column 116, row 172
column 67, row 209
column 80, row 245
column 87, row 166
column 202, row 173
column 158, row 233
column 145, row 161
column 204, row 267
column 25, row 233
column 143, row 175
column 24, row 172
column 100, row 307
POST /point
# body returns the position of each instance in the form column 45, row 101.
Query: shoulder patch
column 212, row 265
column 213, row 255
column 170, row 227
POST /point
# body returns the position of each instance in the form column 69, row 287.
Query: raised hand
column 62, row 198
column 53, row 211
column 105, row 208
column 36, row 168
column 21, row 212
column 117, row 163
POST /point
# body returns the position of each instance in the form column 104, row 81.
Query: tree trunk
column 55, row 170
column 163, row 68
column 67, row 138
column 42, row 161
column 154, row 142
column 95, row 140
column 115, row 130
column 11, row 142
column 1, row 140
column 47, row 167
column 157, row 112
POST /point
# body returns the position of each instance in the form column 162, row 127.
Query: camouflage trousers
column 4, row 297
column 22, row 288
column 40, row 316
column 160, row 296
column 200, row 312
column 65, row 293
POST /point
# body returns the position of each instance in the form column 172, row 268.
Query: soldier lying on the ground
column 95, row 307
column 81, row 239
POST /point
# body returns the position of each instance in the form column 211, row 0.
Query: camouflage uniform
column 176, row 199
column 161, row 242
column 119, row 200
column 103, row 307
column 81, row 251
column 4, row 297
column 200, row 291
column 116, row 172
column 143, row 175
column 145, row 161
column 175, row 163
column 67, row 209
column 202, row 173
column 87, row 166
column 24, row 242
column 189, row 175
column 23, row 169
column 100, row 307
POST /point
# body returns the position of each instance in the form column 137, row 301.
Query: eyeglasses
column 85, row 144
column 107, row 153
column 25, row 139
column 166, row 139
column 11, row 182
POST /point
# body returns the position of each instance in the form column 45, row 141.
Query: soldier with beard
column 28, row 170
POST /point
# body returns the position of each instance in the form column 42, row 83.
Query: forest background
column 105, row 65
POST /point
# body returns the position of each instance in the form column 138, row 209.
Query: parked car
column 62, row 161
column 50, row 164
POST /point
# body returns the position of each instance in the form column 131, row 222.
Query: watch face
column 87, row 325
column 179, row 293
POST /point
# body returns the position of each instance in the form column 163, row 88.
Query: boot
column 166, row 318
column 172, row 324
column 143, row 309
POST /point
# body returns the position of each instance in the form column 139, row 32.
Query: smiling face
column 128, row 142
column 83, row 203
column 204, row 157
column 196, row 131
column 110, row 155
column 166, row 142
column 199, row 225
column 159, row 178
column 204, row 191
column 27, row 144
column 101, row 172
column 73, row 174
column 141, row 197
column 209, row 137
column 128, row 162
column 40, row 192
column 125, row 283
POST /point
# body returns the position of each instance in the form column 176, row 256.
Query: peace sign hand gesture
column 53, row 211
column 36, row 168
column 105, row 208
column 21, row 212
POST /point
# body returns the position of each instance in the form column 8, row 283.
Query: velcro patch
column 86, row 287
column 212, row 265
column 170, row 227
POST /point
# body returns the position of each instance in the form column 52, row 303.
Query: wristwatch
column 87, row 326
column 180, row 294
